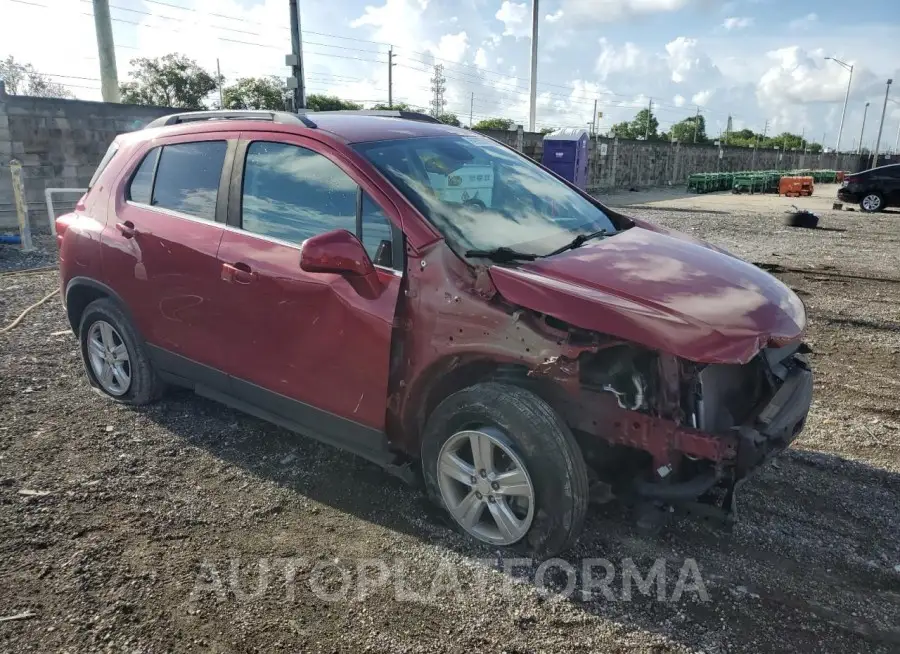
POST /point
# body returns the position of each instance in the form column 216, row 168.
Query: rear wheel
column 506, row 468
column 872, row 202
column 114, row 357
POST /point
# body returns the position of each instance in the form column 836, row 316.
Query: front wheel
column 506, row 468
column 872, row 202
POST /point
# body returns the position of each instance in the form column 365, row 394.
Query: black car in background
column 873, row 189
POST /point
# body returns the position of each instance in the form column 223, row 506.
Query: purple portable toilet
column 566, row 154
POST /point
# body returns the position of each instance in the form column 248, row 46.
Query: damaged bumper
column 778, row 423
column 740, row 417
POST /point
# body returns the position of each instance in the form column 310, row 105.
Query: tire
column 536, row 435
column 872, row 203
column 144, row 385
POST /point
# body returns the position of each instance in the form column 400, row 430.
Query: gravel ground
column 152, row 529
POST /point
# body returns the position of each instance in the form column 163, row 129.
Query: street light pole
column 859, row 147
column 887, row 92
column 532, row 100
column 846, row 66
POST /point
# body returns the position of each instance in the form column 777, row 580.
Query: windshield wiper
column 502, row 255
column 578, row 241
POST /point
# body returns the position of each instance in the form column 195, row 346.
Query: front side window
column 482, row 196
column 292, row 193
column 377, row 236
column 187, row 178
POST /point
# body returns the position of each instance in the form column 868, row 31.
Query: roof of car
column 350, row 127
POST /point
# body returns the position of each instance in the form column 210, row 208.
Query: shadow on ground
column 805, row 568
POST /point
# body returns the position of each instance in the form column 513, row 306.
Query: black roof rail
column 229, row 114
column 386, row 113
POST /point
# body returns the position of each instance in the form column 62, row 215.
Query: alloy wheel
column 871, row 202
column 485, row 486
column 109, row 359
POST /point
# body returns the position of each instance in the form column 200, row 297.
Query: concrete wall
column 59, row 142
column 641, row 164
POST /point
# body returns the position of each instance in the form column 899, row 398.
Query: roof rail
column 228, row 114
column 386, row 113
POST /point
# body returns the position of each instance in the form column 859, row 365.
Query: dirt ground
column 186, row 526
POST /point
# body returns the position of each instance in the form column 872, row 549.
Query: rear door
column 161, row 247
column 307, row 346
column 892, row 185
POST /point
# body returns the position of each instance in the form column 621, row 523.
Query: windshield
column 481, row 195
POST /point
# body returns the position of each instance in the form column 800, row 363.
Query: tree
column 256, row 93
column 449, row 119
column 398, row 106
column 494, row 123
column 639, row 125
column 321, row 102
column 23, row 79
column 172, row 81
column 683, row 131
column 548, row 130
column 621, row 130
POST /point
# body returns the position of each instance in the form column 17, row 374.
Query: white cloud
column 516, row 19
column 679, row 100
column 554, row 17
column 616, row 60
column 737, row 23
column 702, row 98
column 451, row 47
column 610, row 11
column 688, row 63
column 481, row 58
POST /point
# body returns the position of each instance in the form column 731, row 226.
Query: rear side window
column 104, row 162
column 141, row 186
column 187, row 178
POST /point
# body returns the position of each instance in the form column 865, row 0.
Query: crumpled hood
column 663, row 290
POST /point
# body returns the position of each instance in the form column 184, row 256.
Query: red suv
column 438, row 303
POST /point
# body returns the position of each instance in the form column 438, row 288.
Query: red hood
column 662, row 290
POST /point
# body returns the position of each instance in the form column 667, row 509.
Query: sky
column 758, row 61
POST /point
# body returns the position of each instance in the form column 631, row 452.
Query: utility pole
column 438, row 86
column 649, row 114
column 887, row 92
column 696, row 123
column 532, row 100
column 295, row 60
column 594, row 120
column 861, row 131
column 471, row 108
column 845, row 66
column 391, row 65
column 106, row 51
column 219, row 81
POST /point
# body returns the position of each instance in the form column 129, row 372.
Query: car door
column 161, row 248
column 892, row 185
column 306, row 346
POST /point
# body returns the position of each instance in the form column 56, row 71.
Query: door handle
column 127, row 229
column 239, row 273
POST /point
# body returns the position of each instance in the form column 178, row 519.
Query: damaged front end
column 674, row 432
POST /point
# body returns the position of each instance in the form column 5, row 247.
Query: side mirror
column 337, row 251
column 340, row 252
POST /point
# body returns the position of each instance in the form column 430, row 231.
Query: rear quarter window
column 104, row 162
